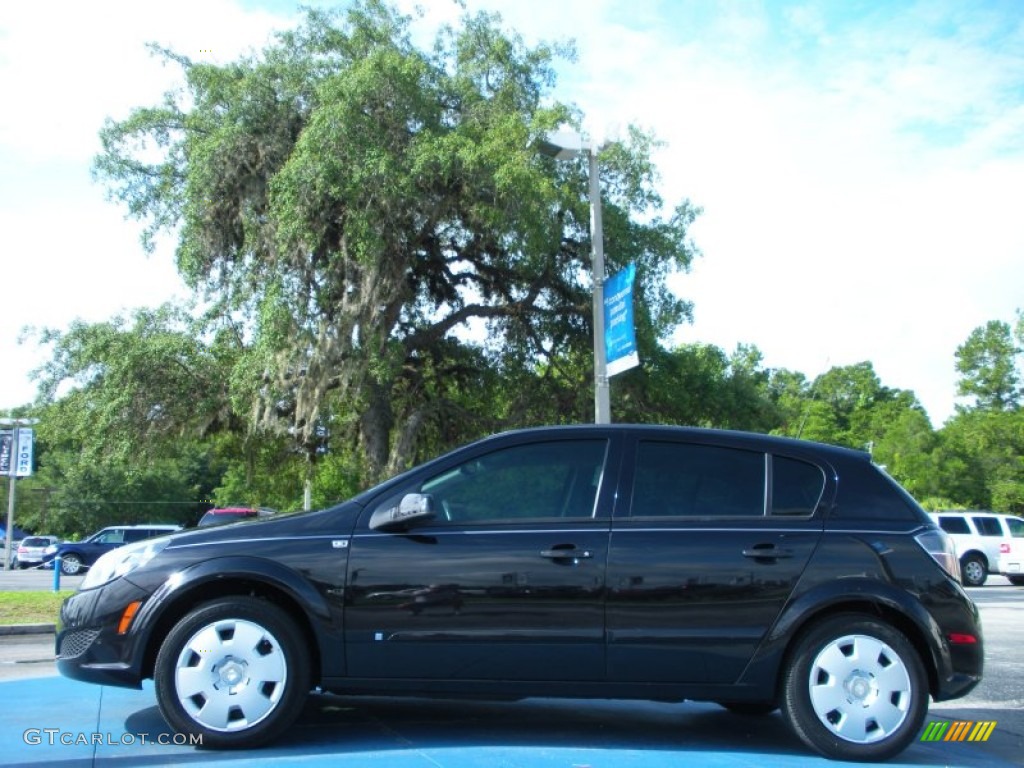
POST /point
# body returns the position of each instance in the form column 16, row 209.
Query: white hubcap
column 860, row 689
column 230, row 675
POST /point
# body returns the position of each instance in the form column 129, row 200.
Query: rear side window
column 691, row 480
column 796, row 486
column 954, row 525
column 868, row 493
column 1016, row 527
column 988, row 526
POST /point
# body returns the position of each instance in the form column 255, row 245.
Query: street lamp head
column 561, row 145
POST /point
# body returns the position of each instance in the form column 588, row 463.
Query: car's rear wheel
column 70, row 564
column 855, row 689
column 974, row 570
column 234, row 671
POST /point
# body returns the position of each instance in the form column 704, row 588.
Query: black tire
column 205, row 673
column 854, row 688
column 974, row 570
column 70, row 564
column 750, row 708
column 1017, row 581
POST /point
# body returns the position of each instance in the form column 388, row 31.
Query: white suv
column 981, row 538
column 1011, row 564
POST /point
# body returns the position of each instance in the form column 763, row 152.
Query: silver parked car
column 31, row 550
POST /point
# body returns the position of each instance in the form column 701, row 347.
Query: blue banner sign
column 619, row 331
column 23, row 454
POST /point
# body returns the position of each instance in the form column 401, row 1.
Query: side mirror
column 413, row 508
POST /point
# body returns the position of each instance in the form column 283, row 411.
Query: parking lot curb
column 27, row 629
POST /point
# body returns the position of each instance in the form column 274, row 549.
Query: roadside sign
column 619, row 331
column 23, row 457
column 6, row 450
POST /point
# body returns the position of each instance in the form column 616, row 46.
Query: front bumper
column 88, row 644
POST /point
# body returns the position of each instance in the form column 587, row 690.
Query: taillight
column 960, row 638
column 942, row 550
column 1004, row 548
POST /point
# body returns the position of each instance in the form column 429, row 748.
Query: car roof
column 965, row 512
column 762, row 440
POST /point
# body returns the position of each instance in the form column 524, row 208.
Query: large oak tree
column 375, row 219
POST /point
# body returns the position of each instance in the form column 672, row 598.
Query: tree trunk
column 375, row 427
column 405, row 445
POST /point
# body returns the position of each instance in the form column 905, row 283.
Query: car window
column 557, row 479
column 1016, row 527
column 988, row 526
column 110, row 537
column 954, row 525
column 692, row 480
column 796, row 486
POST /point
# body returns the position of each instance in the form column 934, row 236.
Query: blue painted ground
column 61, row 723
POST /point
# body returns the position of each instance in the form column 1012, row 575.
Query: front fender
column 194, row 583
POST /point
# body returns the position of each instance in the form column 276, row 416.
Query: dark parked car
column 76, row 555
column 595, row 561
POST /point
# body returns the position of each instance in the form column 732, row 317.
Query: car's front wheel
column 855, row 689
column 234, row 671
column 70, row 564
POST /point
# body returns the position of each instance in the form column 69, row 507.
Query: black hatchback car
column 595, row 561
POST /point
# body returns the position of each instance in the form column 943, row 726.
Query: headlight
column 122, row 560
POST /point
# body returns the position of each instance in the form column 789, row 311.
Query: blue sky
column 860, row 164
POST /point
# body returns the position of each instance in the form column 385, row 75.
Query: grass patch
column 31, row 607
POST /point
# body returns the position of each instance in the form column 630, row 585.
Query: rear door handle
column 566, row 553
column 767, row 552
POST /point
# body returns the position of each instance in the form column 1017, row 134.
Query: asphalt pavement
column 46, row 719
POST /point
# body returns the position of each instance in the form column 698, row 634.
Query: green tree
column 355, row 203
column 850, row 406
column 134, row 386
column 985, row 459
column 700, row 385
column 987, row 364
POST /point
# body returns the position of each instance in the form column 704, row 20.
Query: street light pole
column 563, row 145
column 602, row 395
